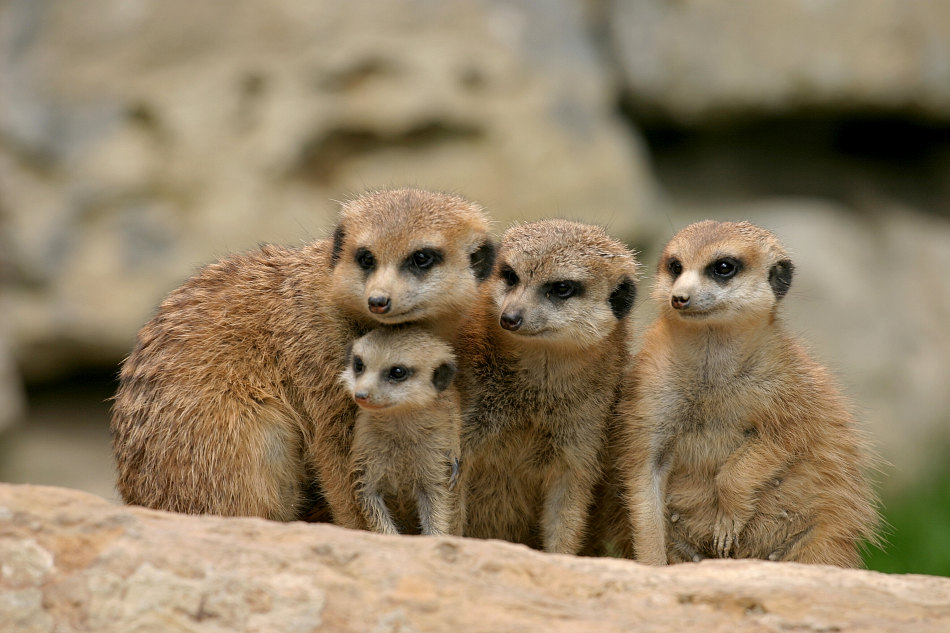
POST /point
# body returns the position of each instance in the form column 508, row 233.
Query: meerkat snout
column 379, row 304
column 511, row 320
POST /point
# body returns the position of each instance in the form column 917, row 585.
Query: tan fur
column 609, row 532
column 536, row 398
column 406, row 443
column 230, row 402
column 739, row 444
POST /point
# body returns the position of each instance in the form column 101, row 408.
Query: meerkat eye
column 725, row 268
column 365, row 259
column 397, row 373
column 675, row 267
column 358, row 365
column 423, row 259
column 562, row 289
column 509, row 275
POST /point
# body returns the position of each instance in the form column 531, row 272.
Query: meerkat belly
column 786, row 507
column 400, row 484
column 692, row 494
column 504, row 489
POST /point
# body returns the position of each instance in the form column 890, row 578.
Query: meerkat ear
column 338, row 236
column 482, row 260
column 443, row 375
column 622, row 298
column 348, row 354
column 780, row 277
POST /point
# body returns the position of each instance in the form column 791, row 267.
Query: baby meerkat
column 541, row 362
column 406, row 439
column 230, row 402
column 738, row 443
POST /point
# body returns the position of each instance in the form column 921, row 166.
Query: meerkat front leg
column 375, row 511
column 569, row 487
column 648, row 511
column 435, row 510
column 738, row 483
column 370, row 500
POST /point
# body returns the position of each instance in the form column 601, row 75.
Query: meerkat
column 230, row 401
column 541, row 361
column 738, row 443
column 406, row 441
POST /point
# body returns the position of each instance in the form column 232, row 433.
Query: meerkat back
column 738, row 443
column 230, row 401
column 541, row 362
column 406, row 445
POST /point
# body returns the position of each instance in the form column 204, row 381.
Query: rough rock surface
column 140, row 140
column 69, row 561
column 690, row 60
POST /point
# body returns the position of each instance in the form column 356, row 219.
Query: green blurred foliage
column 917, row 537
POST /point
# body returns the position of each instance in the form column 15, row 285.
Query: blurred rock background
column 140, row 139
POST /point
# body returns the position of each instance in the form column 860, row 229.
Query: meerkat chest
column 405, row 449
column 700, row 425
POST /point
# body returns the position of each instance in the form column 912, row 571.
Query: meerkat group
column 231, row 404
column 400, row 377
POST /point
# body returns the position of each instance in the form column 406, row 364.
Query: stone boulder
column 70, row 561
column 141, row 140
column 695, row 61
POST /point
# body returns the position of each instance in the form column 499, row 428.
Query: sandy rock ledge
column 70, row 561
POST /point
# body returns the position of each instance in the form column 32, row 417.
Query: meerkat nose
column 379, row 304
column 361, row 396
column 511, row 320
column 679, row 301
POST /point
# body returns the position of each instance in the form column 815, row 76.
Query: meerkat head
column 408, row 255
column 562, row 282
column 398, row 368
column 722, row 272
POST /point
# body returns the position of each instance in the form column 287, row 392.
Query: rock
column 141, row 140
column 691, row 61
column 72, row 562
column 871, row 299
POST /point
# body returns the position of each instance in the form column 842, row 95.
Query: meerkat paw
column 726, row 534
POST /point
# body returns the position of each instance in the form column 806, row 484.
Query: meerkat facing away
column 406, row 440
column 540, row 366
column 230, row 402
column 739, row 444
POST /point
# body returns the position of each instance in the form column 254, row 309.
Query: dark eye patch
column 724, row 268
column 563, row 289
column 358, row 366
column 365, row 259
column 421, row 261
column 675, row 267
column 398, row 373
column 509, row 275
